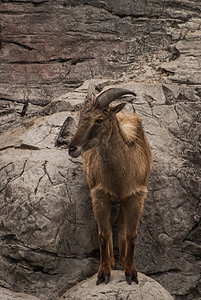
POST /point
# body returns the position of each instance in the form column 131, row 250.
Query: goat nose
column 71, row 149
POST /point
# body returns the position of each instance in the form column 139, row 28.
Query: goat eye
column 98, row 121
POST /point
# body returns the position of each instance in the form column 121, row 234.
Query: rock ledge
column 147, row 289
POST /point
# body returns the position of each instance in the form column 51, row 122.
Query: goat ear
column 117, row 108
column 91, row 92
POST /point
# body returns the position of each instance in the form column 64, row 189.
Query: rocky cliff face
column 50, row 51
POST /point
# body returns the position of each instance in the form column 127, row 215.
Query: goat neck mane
column 129, row 125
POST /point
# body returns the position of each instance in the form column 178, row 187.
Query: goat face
column 94, row 128
column 95, row 122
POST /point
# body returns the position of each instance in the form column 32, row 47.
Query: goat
column 117, row 161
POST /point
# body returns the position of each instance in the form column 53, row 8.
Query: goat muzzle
column 74, row 151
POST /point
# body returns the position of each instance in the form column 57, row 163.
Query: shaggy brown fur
column 117, row 162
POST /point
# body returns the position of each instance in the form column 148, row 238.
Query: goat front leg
column 132, row 209
column 121, row 231
column 102, row 207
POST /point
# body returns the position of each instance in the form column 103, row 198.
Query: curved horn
column 106, row 97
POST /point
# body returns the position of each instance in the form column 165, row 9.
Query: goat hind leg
column 132, row 209
column 112, row 261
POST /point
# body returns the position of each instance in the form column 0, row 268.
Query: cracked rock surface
column 48, row 232
column 50, row 52
column 147, row 289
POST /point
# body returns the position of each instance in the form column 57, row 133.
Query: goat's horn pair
column 105, row 98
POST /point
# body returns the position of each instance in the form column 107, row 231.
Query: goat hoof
column 103, row 278
column 136, row 280
column 128, row 279
column 99, row 280
column 107, row 279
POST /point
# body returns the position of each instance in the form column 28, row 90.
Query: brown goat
column 117, row 162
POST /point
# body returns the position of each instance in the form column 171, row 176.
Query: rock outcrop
column 118, row 289
column 50, row 52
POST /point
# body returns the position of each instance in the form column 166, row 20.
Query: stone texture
column 5, row 294
column 50, row 47
column 48, row 233
column 118, row 289
column 50, row 52
column 147, row 289
column 46, row 212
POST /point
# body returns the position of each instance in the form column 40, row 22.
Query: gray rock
column 5, row 294
column 47, row 228
column 118, row 289
column 48, row 232
column 50, row 52
column 123, row 40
